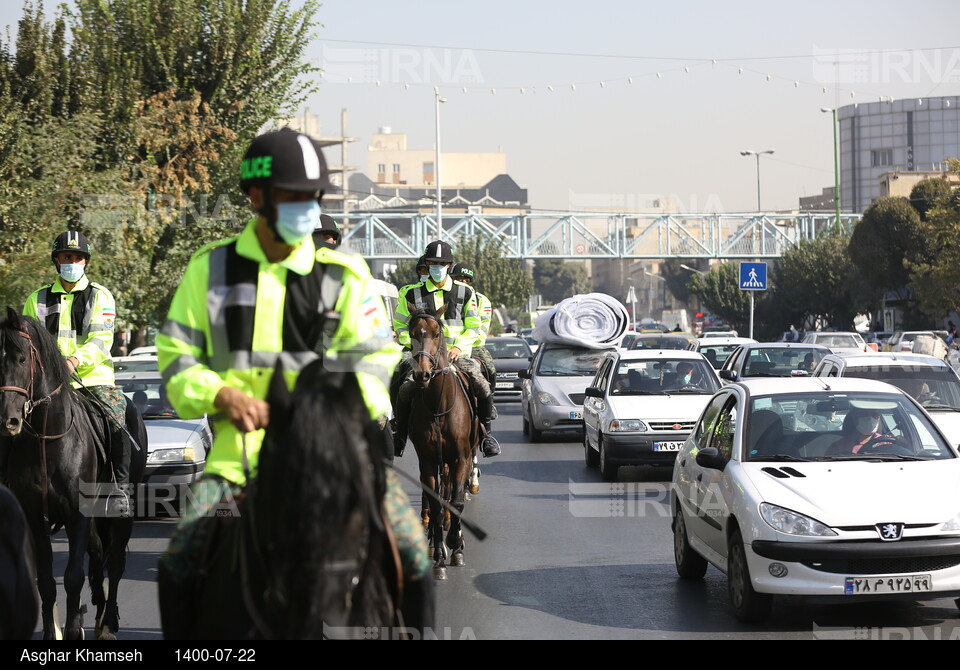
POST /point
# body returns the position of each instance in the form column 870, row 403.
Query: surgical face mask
column 424, row 277
column 71, row 272
column 686, row 378
column 868, row 425
column 438, row 273
column 296, row 220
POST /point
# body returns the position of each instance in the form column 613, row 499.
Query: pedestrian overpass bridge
column 391, row 236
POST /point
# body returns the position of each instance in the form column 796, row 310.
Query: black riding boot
column 121, row 498
column 486, row 412
column 401, row 418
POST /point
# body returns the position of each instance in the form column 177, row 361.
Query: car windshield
column 829, row 425
column 663, row 375
column 842, row 341
column 150, row 397
column 570, row 362
column 661, row 342
column 717, row 354
column 137, row 364
column 932, row 387
column 509, row 348
column 782, row 361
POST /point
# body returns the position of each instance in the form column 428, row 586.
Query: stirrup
column 118, row 504
column 490, row 446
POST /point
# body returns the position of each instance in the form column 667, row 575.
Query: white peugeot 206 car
column 840, row 490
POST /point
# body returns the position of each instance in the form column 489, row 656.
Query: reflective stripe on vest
column 48, row 312
column 308, row 313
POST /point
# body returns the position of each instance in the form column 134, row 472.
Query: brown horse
column 444, row 429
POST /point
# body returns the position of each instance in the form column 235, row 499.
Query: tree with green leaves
column 889, row 233
column 930, row 193
column 556, row 279
column 719, row 291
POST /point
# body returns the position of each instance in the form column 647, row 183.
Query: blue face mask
column 438, row 273
column 71, row 272
column 424, row 277
column 296, row 220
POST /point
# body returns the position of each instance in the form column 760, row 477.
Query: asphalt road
column 568, row 557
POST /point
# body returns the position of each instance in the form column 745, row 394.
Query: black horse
column 308, row 555
column 19, row 600
column 56, row 458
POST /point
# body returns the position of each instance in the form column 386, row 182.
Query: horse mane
column 54, row 366
column 322, row 488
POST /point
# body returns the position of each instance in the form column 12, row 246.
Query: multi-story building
column 905, row 136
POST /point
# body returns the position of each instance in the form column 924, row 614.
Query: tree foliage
column 889, row 233
column 126, row 119
column 936, row 283
column 930, row 193
column 719, row 291
column 555, row 279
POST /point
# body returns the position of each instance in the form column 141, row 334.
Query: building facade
column 915, row 135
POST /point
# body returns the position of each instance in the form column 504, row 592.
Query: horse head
column 427, row 344
column 19, row 361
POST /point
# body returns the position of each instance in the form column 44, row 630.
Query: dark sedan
column 510, row 354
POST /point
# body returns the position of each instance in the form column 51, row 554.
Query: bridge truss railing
column 386, row 236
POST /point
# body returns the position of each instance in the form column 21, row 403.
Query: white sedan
column 843, row 491
column 642, row 405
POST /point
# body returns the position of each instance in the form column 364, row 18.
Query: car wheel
column 608, row 471
column 748, row 605
column 526, row 425
column 536, row 435
column 591, row 457
column 690, row 564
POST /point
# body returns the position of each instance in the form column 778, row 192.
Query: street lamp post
column 751, row 152
column 836, row 164
column 436, row 172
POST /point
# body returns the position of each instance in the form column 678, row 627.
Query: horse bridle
column 437, row 369
column 31, row 404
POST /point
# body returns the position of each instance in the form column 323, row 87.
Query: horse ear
column 442, row 310
column 13, row 316
column 411, row 308
column 279, row 396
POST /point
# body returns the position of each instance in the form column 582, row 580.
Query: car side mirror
column 593, row 392
column 711, row 459
column 729, row 375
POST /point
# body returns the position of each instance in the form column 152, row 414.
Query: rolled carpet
column 593, row 320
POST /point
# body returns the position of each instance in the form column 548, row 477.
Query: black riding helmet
column 462, row 271
column 422, row 263
column 438, row 252
column 329, row 226
column 283, row 159
column 72, row 240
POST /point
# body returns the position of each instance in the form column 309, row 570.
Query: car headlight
column 545, row 398
column 952, row 524
column 792, row 523
column 627, row 426
column 178, row 455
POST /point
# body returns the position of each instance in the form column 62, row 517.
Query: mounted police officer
column 461, row 324
column 243, row 303
column 464, row 273
column 328, row 231
column 81, row 314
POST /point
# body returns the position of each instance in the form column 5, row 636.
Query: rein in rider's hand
column 245, row 412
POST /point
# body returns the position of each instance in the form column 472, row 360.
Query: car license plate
column 888, row 584
column 667, row 446
column 576, row 415
column 504, row 385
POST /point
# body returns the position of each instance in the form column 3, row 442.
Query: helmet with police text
column 328, row 226
column 284, row 159
column 438, row 252
column 71, row 240
column 462, row 272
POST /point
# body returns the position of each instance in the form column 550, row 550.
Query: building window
column 428, row 173
column 396, row 168
column 880, row 157
column 381, row 168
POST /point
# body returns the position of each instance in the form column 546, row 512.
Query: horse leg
column 116, row 555
column 46, row 585
column 455, row 533
column 447, row 496
column 95, row 574
column 425, row 512
column 78, row 536
column 474, row 475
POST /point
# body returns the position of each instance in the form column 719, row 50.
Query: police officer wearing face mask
column 461, row 328
column 80, row 314
column 245, row 302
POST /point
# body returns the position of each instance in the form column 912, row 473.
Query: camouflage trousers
column 481, row 354
column 111, row 400
column 210, row 495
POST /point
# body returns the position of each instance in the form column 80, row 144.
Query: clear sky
column 649, row 99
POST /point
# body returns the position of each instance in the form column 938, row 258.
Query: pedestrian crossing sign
column 753, row 276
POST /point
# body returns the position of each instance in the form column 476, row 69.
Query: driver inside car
column 859, row 427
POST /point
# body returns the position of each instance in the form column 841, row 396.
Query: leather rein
column 29, row 406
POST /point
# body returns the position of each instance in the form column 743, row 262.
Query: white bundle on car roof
column 593, row 320
column 930, row 345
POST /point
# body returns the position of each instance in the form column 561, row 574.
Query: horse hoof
column 474, row 489
column 440, row 573
column 106, row 634
column 457, row 560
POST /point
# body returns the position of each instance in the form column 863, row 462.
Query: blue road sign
column 753, row 276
